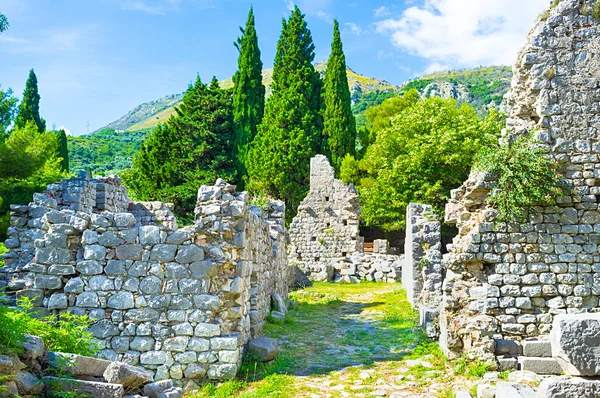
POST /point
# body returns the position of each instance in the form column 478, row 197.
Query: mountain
column 151, row 114
column 111, row 149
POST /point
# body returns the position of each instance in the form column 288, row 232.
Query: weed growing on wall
column 526, row 178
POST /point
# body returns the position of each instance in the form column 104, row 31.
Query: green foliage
column 526, row 177
column 426, row 150
column 60, row 386
column 62, row 150
column 290, row 133
column 8, row 109
column 596, row 10
column 248, row 96
column 261, row 201
column 105, row 152
column 193, row 148
column 339, row 126
column 366, row 100
column 3, row 23
column 29, row 110
column 3, row 250
column 27, row 165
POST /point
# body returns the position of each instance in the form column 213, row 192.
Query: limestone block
column 513, row 390
column 263, row 349
column 153, row 390
column 121, row 301
column 79, row 365
column 569, row 387
column 85, row 388
column 542, row 366
column 575, row 338
column 28, row 384
column 129, row 376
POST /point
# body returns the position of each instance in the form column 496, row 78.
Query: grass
column 3, row 250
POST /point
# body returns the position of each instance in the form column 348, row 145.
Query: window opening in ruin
column 326, row 198
column 344, row 254
column 314, row 238
column 345, row 222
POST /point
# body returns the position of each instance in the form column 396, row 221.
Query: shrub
column 526, row 178
column 596, row 10
column 3, row 250
column 66, row 332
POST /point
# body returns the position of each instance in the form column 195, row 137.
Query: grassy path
column 341, row 340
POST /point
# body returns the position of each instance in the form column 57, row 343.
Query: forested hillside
column 110, row 152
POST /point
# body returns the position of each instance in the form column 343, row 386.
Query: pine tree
column 248, row 96
column 4, row 25
column 339, row 132
column 193, row 148
column 290, row 133
column 29, row 110
column 62, row 150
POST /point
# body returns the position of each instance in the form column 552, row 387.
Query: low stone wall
column 369, row 267
column 182, row 303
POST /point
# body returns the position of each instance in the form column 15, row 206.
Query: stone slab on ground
column 569, row 387
column 79, row 364
column 541, row 366
column 537, row 348
column 575, row 340
column 505, row 364
column 513, row 390
column 263, row 348
column 85, row 388
column 153, row 390
column 462, row 394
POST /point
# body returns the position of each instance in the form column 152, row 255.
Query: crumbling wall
column 180, row 302
column 508, row 281
column 327, row 224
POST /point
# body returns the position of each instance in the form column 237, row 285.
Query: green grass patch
column 3, row 250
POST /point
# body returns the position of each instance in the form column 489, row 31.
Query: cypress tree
column 290, row 133
column 3, row 23
column 194, row 147
column 339, row 132
column 62, row 150
column 248, row 95
column 29, row 110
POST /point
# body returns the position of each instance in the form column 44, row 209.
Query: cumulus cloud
column 350, row 27
column 382, row 12
column 463, row 33
column 67, row 131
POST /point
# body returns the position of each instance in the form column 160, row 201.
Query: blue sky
column 97, row 59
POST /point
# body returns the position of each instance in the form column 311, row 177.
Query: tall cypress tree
column 3, row 23
column 248, row 96
column 290, row 133
column 29, row 110
column 62, row 150
column 339, row 132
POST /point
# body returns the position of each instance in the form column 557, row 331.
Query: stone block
column 263, row 349
column 568, row 387
column 505, row 364
column 508, row 347
column 129, row 376
column 513, row 390
column 537, row 348
column 79, row 365
column 574, row 339
column 84, row 388
column 28, row 384
column 542, row 366
column 153, row 390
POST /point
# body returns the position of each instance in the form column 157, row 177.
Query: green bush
column 66, row 332
column 3, row 250
column 526, row 178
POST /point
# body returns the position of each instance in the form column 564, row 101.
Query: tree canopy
column 419, row 155
column 248, row 95
column 290, row 133
column 339, row 132
column 193, row 148
column 29, row 110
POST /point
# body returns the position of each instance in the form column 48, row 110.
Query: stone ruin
column 507, row 287
column 181, row 303
column 325, row 241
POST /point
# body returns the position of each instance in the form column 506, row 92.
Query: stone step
column 540, row 365
column 537, row 348
column 505, row 364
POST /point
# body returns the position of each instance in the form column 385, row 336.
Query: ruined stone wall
column 508, row 281
column 179, row 302
column 327, row 224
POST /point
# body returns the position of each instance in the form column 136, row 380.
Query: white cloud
column 350, row 27
column 289, row 4
column 382, row 12
column 324, row 16
column 463, row 33
column 67, row 131
column 162, row 7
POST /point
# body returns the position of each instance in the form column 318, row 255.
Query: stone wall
column 182, row 303
column 508, row 281
column 327, row 224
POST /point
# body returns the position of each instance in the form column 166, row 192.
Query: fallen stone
column 569, row 387
column 505, row 364
column 34, row 348
column 153, row 390
column 83, row 388
column 575, row 339
column 263, row 349
column 174, row 392
column 541, row 366
column 129, row 376
column 278, row 303
column 79, row 364
column 523, row 377
column 513, row 390
column 28, row 384
column 507, row 347
column 277, row 317
column 462, row 394
column 486, row 390
column 537, row 348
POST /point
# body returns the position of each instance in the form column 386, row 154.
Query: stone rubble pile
column 368, row 267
